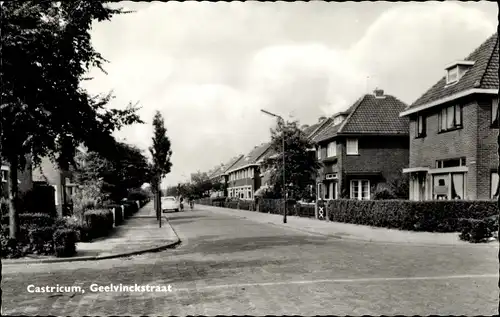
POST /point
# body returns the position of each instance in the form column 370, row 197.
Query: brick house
column 64, row 188
column 25, row 181
column 454, row 126
column 218, row 174
column 362, row 148
column 310, row 131
column 244, row 176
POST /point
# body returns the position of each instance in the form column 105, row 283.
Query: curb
column 362, row 239
column 170, row 245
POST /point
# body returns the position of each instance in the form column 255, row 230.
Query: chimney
column 379, row 93
column 321, row 119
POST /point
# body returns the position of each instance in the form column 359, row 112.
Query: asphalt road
column 227, row 265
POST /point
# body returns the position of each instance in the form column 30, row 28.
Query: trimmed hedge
column 38, row 219
column 65, row 242
column 479, row 230
column 430, row 216
column 40, row 240
column 98, row 221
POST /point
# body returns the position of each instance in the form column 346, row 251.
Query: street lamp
column 280, row 118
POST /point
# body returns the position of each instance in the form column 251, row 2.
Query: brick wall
column 487, row 150
column 476, row 141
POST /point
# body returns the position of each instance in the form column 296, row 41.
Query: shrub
column 383, row 194
column 117, row 210
column 130, row 207
column 137, row 194
column 4, row 207
column 65, row 242
column 40, row 240
column 38, row 200
column 11, row 248
column 478, row 230
column 98, row 222
column 431, row 216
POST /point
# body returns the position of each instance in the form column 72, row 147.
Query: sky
column 209, row 67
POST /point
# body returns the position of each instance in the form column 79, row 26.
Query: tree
column 200, row 184
column 47, row 113
column 300, row 165
column 127, row 169
column 161, row 153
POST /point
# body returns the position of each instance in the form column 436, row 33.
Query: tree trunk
column 13, row 199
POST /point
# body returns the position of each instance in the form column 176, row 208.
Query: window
column 494, row 112
column 494, row 185
column 318, row 151
column 5, row 175
column 450, row 118
column 331, row 149
column 420, row 126
column 352, row 146
column 452, row 75
column 249, row 192
column 455, row 162
column 449, row 186
column 360, row 189
column 320, row 191
column 332, row 190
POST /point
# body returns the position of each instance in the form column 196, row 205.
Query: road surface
column 227, row 265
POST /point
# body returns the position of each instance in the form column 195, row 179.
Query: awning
column 415, row 169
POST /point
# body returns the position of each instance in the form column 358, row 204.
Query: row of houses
column 446, row 141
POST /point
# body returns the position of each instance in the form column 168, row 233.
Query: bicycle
column 191, row 204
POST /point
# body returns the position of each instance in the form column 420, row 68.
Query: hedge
column 40, row 240
column 98, row 221
column 65, row 242
column 430, row 216
column 38, row 219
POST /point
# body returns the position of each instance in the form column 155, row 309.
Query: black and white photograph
column 197, row 158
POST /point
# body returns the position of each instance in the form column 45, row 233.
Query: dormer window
column 456, row 70
column 338, row 120
column 452, row 75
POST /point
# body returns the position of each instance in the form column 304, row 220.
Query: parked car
column 169, row 203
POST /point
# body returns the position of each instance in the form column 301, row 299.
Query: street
column 227, row 265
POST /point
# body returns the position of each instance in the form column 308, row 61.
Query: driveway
column 228, row 265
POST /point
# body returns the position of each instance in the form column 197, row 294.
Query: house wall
column 476, row 141
column 387, row 154
column 487, row 150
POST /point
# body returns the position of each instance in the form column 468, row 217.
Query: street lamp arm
column 272, row 114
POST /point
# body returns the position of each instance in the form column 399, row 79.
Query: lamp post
column 285, row 194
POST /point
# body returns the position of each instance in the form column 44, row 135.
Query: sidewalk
column 138, row 234
column 351, row 231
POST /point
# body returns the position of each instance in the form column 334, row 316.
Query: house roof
column 482, row 75
column 318, row 128
column 252, row 157
column 231, row 163
column 215, row 172
column 369, row 115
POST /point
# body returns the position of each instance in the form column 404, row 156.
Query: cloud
column 210, row 67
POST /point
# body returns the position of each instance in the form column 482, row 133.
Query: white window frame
column 443, row 115
column 452, row 80
column 359, row 184
column 449, row 177
column 318, row 154
column 420, row 126
column 319, row 191
column 331, row 150
column 5, row 175
column 493, row 185
column 494, row 111
column 354, row 143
